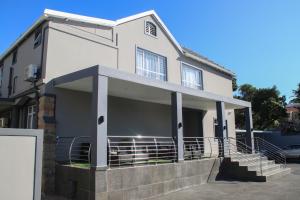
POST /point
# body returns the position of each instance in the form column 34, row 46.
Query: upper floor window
column 151, row 65
column 14, row 84
column 10, row 81
column 37, row 37
column 150, row 29
column 191, row 77
column 14, row 57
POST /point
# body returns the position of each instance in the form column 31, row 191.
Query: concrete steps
column 252, row 167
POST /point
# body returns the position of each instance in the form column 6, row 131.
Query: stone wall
column 131, row 183
column 46, row 121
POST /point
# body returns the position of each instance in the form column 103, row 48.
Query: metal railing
column 202, row 147
column 143, row 150
column 270, row 150
column 242, row 151
column 73, row 150
column 140, row 150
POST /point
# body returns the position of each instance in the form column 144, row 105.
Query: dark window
column 1, row 72
column 37, row 37
column 11, row 74
column 15, row 84
column 14, row 58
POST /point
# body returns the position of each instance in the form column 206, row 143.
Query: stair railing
column 240, row 149
column 270, row 150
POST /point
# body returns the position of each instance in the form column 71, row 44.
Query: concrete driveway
column 285, row 188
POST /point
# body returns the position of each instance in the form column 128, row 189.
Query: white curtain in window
column 191, row 77
column 151, row 65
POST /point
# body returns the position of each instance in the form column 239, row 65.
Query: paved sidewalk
column 285, row 188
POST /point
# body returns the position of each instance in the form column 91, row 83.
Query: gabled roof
column 161, row 23
column 48, row 14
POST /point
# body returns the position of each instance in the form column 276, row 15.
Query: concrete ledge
column 131, row 183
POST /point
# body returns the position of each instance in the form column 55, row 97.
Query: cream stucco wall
column 26, row 55
column 17, row 167
column 131, row 35
column 72, row 48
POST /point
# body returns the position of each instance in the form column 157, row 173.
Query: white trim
column 81, row 18
column 30, row 116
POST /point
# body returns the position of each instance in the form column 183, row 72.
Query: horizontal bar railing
column 202, row 147
column 270, row 150
column 140, row 150
column 73, row 150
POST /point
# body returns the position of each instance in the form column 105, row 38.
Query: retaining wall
column 131, row 183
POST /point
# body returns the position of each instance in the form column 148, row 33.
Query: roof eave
column 78, row 18
column 40, row 20
column 211, row 64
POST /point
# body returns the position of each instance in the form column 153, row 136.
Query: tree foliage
column 234, row 84
column 296, row 96
column 268, row 106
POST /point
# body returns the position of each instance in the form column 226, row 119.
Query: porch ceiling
column 136, row 91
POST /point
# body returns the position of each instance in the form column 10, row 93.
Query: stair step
column 242, row 155
column 246, row 161
column 257, row 165
column 267, row 169
column 276, row 173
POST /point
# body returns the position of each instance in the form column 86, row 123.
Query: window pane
column 191, row 77
column 151, row 65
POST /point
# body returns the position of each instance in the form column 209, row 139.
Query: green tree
column 296, row 96
column 268, row 106
column 234, row 84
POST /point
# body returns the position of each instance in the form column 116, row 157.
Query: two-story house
column 116, row 81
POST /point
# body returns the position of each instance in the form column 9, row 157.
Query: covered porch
column 111, row 118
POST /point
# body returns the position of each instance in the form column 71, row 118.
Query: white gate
column 20, row 164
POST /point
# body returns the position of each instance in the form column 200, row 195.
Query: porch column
column 15, row 117
column 249, row 128
column 99, row 122
column 221, row 128
column 177, row 129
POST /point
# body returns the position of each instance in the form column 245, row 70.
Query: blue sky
column 258, row 40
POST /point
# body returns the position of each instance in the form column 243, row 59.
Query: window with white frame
column 151, row 65
column 150, row 28
column 31, row 116
column 191, row 77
